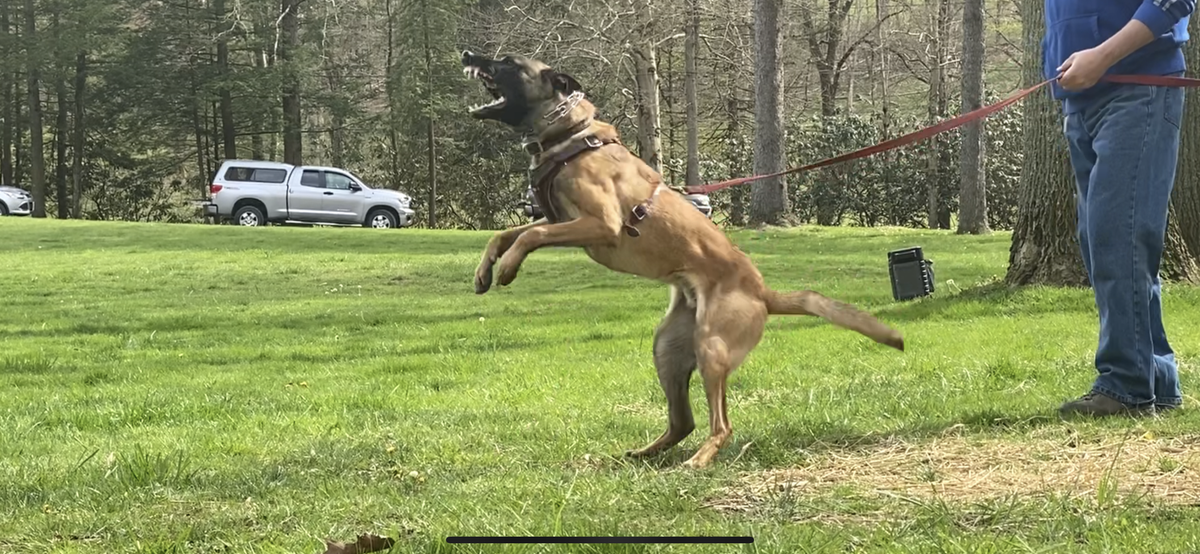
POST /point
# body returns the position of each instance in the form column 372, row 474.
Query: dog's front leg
column 496, row 247
column 584, row 231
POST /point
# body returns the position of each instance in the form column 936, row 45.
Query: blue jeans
column 1124, row 147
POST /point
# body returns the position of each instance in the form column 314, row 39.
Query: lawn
column 174, row 388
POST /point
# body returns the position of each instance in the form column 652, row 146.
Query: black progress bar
column 600, row 540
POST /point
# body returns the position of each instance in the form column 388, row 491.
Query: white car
column 15, row 201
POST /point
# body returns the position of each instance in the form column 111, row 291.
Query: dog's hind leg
column 728, row 327
column 675, row 359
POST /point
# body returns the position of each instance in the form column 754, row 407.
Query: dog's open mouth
column 488, row 84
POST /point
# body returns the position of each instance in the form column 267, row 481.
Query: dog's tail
column 838, row 313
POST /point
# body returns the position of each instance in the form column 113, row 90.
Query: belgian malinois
column 600, row 197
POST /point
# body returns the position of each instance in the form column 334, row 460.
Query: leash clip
column 532, row 147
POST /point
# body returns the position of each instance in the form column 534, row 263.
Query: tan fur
column 719, row 302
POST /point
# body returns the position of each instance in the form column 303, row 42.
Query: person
column 1124, row 144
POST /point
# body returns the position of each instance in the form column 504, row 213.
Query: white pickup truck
column 252, row 193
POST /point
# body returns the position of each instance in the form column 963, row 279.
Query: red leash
column 922, row 134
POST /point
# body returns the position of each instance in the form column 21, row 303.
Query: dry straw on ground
column 972, row 469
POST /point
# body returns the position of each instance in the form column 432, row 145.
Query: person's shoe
column 1094, row 404
column 1164, row 408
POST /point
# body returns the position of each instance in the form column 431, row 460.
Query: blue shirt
column 1074, row 25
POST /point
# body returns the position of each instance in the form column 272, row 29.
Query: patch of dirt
column 972, row 469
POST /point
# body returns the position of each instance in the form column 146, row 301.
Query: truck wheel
column 249, row 216
column 380, row 219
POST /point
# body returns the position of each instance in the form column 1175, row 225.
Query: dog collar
column 534, row 147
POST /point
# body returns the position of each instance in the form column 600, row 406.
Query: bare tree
column 939, row 217
column 228, row 131
column 972, row 215
column 293, row 151
column 37, row 150
column 78, row 135
column 769, row 201
column 692, row 177
column 645, row 61
column 6, row 131
column 429, row 134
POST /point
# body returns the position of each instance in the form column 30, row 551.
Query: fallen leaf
column 365, row 543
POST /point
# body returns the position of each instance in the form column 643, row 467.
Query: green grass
column 218, row 389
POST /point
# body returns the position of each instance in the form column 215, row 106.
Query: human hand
column 1083, row 69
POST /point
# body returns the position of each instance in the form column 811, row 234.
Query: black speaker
column 911, row 273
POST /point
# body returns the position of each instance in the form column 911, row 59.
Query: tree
column 6, row 131
column 938, row 216
column 293, row 151
column 78, row 135
column 1186, row 198
column 769, row 201
column 228, row 131
column 692, row 172
column 645, row 62
column 972, row 215
column 1045, row 250
column 37, row 150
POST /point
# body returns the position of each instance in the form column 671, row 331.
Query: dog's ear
column 561, row 82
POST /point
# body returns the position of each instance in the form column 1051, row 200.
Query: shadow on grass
column 993, row 299
column 779, row 446
column 820, row 437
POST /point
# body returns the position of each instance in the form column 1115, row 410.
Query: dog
column 598, row 196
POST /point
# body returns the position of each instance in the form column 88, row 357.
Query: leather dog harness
column 543, row 176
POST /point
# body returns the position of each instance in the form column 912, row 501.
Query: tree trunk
column 78, row 135
column 824, row 46
column 293, row 151
column 769, row 201
column 1179, row 261
column 692, row 173
column 257, row 150
column 272, row 146
column 645, row 61
column 737, row 202
column 33, row 79
column 6, row 132
column 1045, row 249
column 198, row 132
column 19, row 102
column 228, row 131
column 62, row 134
column 1186, row 197
column 972, row 211
column 936, row 110
column 430, row 143
column 393, row 89
column 880, row 65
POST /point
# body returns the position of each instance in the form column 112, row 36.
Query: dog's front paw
column 483, row 276
column 510, row 263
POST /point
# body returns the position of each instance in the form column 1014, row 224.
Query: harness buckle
column 639, row 212
column 592, row 141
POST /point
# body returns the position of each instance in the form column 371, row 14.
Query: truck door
column 343, row 204
column 306, row 198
